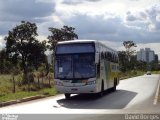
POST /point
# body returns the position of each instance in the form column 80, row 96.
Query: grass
column 6, row 86
column 129, row 74
column 155, row 72
column 134, row 73
column 23, row 94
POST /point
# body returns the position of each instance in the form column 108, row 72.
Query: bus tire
column 67, row 95
column 115, row 85
column 101, row 93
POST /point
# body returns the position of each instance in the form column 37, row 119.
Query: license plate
column 74, row 89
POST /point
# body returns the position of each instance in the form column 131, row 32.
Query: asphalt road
column 134, row 95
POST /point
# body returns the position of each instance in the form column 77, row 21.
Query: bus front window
column 63, row 68
column 75, row 66
column 84, row 66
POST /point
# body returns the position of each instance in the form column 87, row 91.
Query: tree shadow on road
column 111, row 100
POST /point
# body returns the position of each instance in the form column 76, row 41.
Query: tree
column 122, row 60
column 21, row 44
column 68, row 33
column 2, row 60
column 63, row 34
column 127, row 59
column 129, row 51
column 6, row 64
column 141, row 65
column 37, row 57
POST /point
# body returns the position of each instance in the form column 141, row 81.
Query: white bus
column 85, row 66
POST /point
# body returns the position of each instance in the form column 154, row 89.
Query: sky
column 109, row 21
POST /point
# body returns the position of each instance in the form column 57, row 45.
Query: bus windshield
column 75, row 66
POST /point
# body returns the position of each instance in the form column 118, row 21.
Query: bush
column 27, row 78
column 19, row 80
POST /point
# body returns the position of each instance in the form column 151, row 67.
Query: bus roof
column 85, row 41
column 77, row 41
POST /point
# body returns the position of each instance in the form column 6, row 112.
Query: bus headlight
column 91, row 82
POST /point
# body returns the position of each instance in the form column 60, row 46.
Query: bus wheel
column 67, row 95
column 100, row 94
column 115, row 84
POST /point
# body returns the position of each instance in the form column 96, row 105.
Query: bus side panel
column 98, row 77
column 103, row 73
column 107, row 73
column 114, row 74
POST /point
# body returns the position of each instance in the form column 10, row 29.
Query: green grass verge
column 155, row 72
column 129, row 74
column 23, row 94
column 6, row 87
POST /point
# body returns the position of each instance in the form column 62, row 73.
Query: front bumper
column 77, row 89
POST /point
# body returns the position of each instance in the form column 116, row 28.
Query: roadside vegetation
column 130, row 66
column 24, row 67
column 13, row 90
column 25, row 70
column 130, row 74
column 156, row 72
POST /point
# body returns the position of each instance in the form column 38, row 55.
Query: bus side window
column 102, row 56
column 112, row 57
column 109, row 56
column 106, row 56
column 116, row 59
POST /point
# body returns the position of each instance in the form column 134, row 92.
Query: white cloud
column 12, row 12
column 153, row 15
column 136, row 16
column 111, row 20
column 52, row 21
column 110, row 28
column 131, row 17
column 151, row 27
column 137, row 20
column 27, row 9
column 115, row 45
column 95, row 27
column 41, row 38
column 158, row 18
column 76, row 2
column 72, row 2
